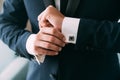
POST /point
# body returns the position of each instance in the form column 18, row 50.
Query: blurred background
column 12, row 67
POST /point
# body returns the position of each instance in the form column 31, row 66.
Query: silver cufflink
column 71, row 38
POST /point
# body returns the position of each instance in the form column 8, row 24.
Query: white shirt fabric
column 69, row 26
column 69, row 30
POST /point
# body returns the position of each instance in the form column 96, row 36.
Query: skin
column 46, row 42
column 51, row 17
column 49, row 40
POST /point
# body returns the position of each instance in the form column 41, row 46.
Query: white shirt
column 69, row 26
column 69, row 30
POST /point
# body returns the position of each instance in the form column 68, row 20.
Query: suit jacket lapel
column 72, row 7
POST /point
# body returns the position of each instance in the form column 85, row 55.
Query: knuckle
column 48, row 8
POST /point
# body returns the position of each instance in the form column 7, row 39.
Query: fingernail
column 57, row 53
column 60, row 49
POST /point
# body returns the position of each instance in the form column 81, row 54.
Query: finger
column 53, row 32
column 51, row 39
column 42, row 21
column 44, row 24
column 40, row 16
column 42, row 51
column 39, row 19
column 48, row 46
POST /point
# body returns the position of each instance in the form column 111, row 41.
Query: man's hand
column 48, row 41
column 51, row 17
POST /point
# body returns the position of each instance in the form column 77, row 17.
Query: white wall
column 1, row 1
column 6, row 55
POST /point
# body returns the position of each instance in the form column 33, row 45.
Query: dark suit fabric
column 93, row 57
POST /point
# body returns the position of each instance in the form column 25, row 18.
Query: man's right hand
column 51, row 17
column 48, row 41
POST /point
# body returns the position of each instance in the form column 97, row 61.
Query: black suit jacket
column 93, row 57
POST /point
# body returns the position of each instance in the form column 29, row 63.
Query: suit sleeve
column 13, row 20
column 98, row 35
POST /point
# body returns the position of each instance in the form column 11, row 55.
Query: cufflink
column 71, row 38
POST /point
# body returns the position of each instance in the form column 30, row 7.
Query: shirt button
column 71, row 38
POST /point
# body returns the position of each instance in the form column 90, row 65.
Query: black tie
column 63, row 5
column 49, row 2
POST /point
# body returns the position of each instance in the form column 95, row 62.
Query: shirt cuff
column 70, row 29
column 30, row 47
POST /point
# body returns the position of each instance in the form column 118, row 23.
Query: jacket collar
column 71, row 7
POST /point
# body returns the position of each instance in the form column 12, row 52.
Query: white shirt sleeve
column 70, row 29
column 30, row 44
column 30, row 49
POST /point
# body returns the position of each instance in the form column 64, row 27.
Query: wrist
column 70, row 29
column 60, row 26
column 30, row 43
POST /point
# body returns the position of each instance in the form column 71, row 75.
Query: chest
column 99, row 9
column 95, row 9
